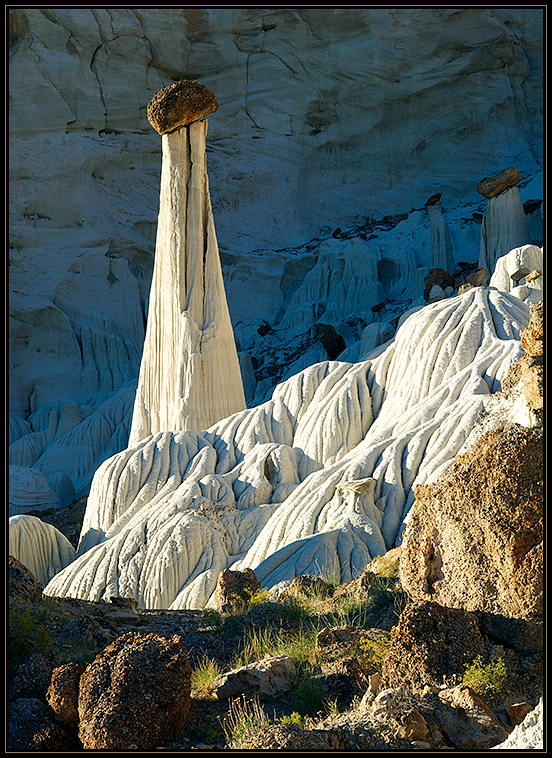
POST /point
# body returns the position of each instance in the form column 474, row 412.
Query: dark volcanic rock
column 135, row 695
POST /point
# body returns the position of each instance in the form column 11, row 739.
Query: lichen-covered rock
column 63, row 693
column 135, row 695
column 494, row 185
column 267, row 678
column 232, row 588
column 180, row 104
column 431, row 643
column 474, row 537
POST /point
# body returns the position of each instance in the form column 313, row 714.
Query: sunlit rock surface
column 274, row 488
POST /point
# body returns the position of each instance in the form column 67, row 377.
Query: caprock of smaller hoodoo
column 190, row 374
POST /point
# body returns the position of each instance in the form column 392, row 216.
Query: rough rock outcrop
column 189, row 336
column 32, row 726
column 231, row 586
column 31, row 678
column 22, row 583
column 431, row 644
column 135, row 695
column 474, row 536
column 467, row 720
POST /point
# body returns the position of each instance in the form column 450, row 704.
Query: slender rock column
column 505, row 225
column 440, row 245
column 190, row 374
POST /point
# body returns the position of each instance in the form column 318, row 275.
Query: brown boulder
column 437, row 277
column 135, row 695
column 474, row 537
column 63, row 693
column 180, row 104
column 431, row 643
column 233, row 587
column 494, row 185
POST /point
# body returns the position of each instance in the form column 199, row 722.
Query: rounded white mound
column 42, row 548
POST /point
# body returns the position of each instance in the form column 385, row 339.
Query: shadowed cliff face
column 327, row 118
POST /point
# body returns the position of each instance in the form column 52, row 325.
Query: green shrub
column 487, row 680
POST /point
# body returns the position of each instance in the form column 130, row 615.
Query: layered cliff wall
column 330, row 120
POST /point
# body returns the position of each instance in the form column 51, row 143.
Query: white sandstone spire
column 190, row 375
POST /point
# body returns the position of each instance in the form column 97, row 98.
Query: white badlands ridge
column 316, row 480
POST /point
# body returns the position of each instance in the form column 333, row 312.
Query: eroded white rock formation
column 317, row 480
column 42, row 548
column 190, row 374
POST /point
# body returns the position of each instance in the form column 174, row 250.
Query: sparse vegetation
column 27, row 634
column 487, row 679
column 244, row 718
column 204, row 677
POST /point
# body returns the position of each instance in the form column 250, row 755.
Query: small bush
column 204, row 676
column 375, row 650
column 487, row 680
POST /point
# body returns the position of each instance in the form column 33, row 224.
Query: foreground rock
column 467, row 720
column 136, row 694
column 268, row 678
column 480, row 526
column 431, row 644
column 233, row 587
